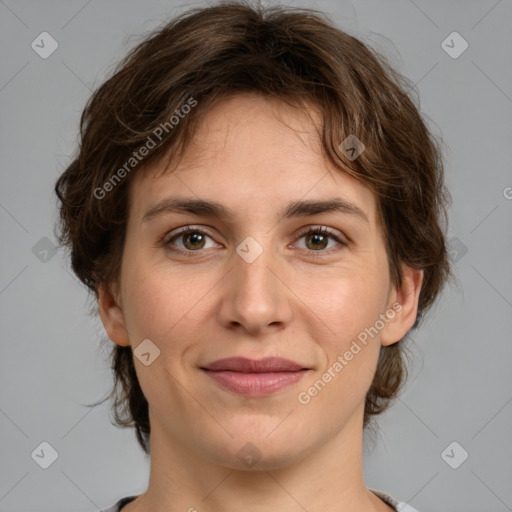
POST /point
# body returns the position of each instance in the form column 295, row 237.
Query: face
column 289, row 262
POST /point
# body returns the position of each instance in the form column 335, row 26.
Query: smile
column 255, row 377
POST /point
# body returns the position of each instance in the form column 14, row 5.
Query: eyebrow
column 213, row 209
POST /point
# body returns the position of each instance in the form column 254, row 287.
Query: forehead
column 249, row 151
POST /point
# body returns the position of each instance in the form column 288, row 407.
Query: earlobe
column 403, row 307
column 112, row 315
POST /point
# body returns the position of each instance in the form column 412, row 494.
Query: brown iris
column 318, row 239
column 193, row 240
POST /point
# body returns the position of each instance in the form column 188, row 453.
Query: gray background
column 460, row 389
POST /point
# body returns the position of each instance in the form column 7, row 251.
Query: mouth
column 253, row 377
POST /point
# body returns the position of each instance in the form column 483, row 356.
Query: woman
column 257, row 206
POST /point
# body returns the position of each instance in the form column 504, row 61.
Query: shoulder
column 116, row 507
column 399, row 506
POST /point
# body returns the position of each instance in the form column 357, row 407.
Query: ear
column 404, row 303
column 111, row 314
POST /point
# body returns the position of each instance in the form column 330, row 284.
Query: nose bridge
column 255, row 298
column 254, row 279
column 251, row 267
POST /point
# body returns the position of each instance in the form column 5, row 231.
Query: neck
column 330, row 477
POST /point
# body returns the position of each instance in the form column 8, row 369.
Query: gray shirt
column 399, row 506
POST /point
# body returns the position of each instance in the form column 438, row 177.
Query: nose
column 255, row 298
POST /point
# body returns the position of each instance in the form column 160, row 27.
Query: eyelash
column 322, row 230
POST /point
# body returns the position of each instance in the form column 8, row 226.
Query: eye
column 317, row 240
column 189, row 239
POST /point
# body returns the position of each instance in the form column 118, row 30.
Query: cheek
column 346, row 305
column 350, row 306
column 350, row 354
column 145, row 296
column 158, row 303
column 160, row 306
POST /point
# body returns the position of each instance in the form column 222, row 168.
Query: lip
column 253, row 377
column 246, row 365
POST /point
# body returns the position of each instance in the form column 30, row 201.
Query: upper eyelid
column 319, row 227
column 183, row 230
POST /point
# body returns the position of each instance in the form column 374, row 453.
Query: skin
column 296, row 300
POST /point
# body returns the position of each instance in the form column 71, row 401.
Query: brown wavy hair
column 295, row 55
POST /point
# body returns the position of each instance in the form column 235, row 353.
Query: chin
column 253, row 451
